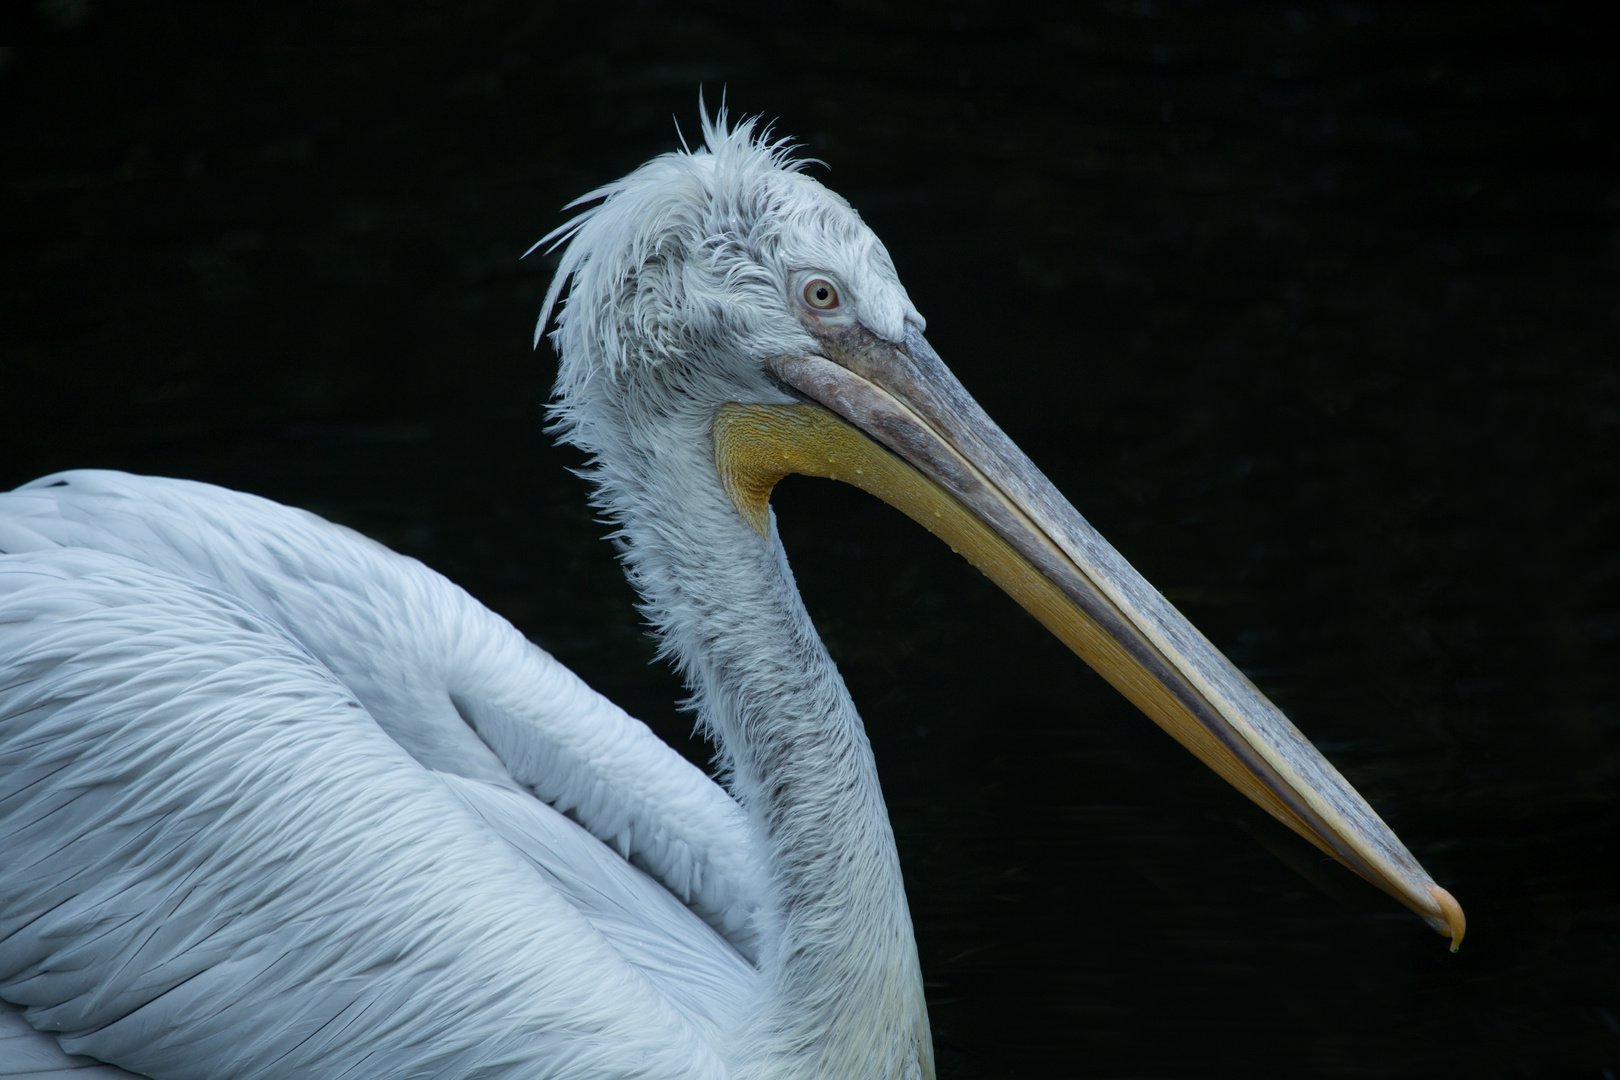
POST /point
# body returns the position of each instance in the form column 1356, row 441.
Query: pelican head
column 728, row 321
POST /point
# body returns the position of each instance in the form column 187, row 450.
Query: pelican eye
column 821, row 294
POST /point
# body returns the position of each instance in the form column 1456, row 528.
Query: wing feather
column 26, row 1054
column 454, row 684
column 218, row 865
column 691, row 965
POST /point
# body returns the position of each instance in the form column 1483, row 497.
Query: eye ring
column 820, row 294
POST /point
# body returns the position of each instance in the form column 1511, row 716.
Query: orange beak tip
column 1456, row 924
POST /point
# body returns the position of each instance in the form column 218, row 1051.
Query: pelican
column 278, row 802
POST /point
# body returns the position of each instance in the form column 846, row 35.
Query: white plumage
column 277, row 802
column 219, row 863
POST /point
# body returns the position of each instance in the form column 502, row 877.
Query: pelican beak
column 893, row 420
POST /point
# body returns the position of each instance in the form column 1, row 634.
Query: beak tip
column 1451, row 922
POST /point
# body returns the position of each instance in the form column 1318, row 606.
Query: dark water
column 1313, row 311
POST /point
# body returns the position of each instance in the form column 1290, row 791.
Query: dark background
column 1312, row 309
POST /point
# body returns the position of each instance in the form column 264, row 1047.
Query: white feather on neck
column 662, row 324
